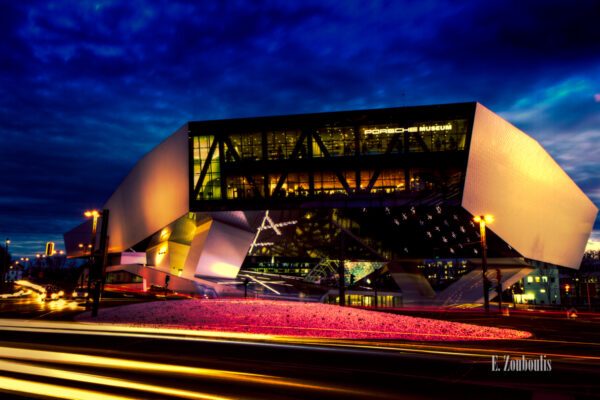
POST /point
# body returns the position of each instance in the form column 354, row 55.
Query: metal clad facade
column 537, row 208
column 155, row 193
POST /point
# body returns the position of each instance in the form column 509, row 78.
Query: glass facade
column 207, row 169
column 265, row 159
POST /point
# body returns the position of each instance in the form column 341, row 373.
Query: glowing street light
column 5, row 263
column 91, row 214
column 481, row 220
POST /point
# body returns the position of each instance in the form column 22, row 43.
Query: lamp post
column 93, row 214
column 4, row 264
column 481, row 219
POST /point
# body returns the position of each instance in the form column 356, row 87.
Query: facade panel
column 155, row 193
column 537, row 208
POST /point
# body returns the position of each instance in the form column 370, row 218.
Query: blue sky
column 88, row 87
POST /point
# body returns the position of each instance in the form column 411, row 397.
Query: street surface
column 45, row 355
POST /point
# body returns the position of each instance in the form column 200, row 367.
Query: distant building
column 14, row 273
column 541, row 287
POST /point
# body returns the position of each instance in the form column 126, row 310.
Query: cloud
column 88, row 88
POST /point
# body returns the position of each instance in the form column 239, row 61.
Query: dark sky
column 88, row 87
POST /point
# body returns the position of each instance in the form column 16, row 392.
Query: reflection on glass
column 339, row 142
column 388, row 181
column 240, row 187
column 211, row 184
column 281, row 144
column 295, row 184
column 248, row 146
column 327, row 183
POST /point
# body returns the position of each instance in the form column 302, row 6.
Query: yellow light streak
column 164, row 332
column 117, row 363
column 112, row 329
column 452, row 350
column 61, row 392
column 98, row 361
column 101, row 380
column 128, row 331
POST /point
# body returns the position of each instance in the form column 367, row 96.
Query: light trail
column 65, row 327
column 117, row 363
column 56, row 391
column 98, row 380
column 259, row 339
column 449, row 350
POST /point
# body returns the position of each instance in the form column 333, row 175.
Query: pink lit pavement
column 296, row 319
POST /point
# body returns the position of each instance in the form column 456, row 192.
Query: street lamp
column 481, row 219
column 93, row 214
column 5, row 264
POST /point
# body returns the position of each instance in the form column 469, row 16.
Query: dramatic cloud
column 87, row 88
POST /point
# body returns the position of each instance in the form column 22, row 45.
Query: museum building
column 380, row 191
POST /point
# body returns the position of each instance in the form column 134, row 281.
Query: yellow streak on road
column 101, row 380
column 441, row 349
column 107, row 362
column 163, row 333
column 60, row 392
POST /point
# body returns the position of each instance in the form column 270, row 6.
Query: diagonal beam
column 205, row 168
column 237, row 158
column 378, row 171
column 421, row 142
column 339, row 175
column 293, row 156
column 298, row 145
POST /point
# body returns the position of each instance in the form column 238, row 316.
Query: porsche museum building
column 381, row 192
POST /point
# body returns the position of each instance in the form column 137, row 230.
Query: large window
column 248, row 146
column 211, row 184
column 242, row 187
column 415, row 137
column 328, row 183
column 339, row 142
column 366, row 156
column 375, row 139
column 388, row 181
column 295, row 184
column 439, row 136
column 281, row 144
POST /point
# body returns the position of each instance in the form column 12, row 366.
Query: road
column 45, row 355
column 58, row 359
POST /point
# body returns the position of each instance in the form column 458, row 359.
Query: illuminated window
column 544, row 279
column 339, row 142
column 537, row 278
column 327, row 183
column 281, row 144
column 211, row 184
column 377, row 139
column 248, row 146
column 240, row 187
column 529, row 279
column 388, row 181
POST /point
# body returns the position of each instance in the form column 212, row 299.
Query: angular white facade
column 155, row 193
column 537, row 208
